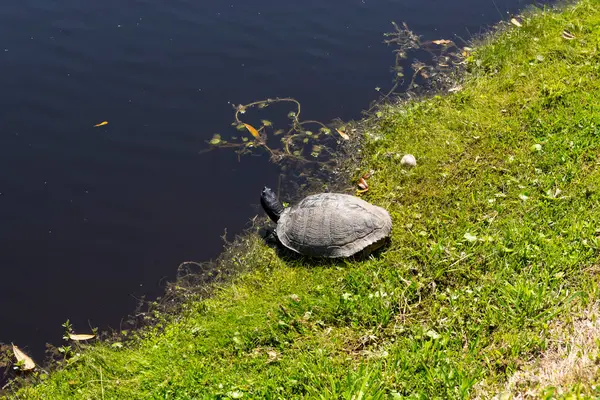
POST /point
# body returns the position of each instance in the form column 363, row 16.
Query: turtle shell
column 333, row 225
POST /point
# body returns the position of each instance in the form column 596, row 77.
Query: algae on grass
column 495, row 244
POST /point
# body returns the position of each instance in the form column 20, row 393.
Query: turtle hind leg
column 269, row 236
column 374, row 249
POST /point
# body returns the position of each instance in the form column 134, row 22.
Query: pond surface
column 94, row 218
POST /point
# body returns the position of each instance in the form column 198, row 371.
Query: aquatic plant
column 291, row 144
column 301, row 145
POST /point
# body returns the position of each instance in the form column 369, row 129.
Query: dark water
column 93, row 217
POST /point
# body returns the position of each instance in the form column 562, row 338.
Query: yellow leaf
column 515, row 22
column 83, row 336
column 252, row 130
column 441, row 41
column 342, row 134
column 28, row 363
column 101, row 124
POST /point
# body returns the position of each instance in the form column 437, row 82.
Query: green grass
column 494, row 239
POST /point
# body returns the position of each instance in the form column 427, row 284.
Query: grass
column 570, row 361
column 495, row 244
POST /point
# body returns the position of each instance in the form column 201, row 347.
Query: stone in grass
column 408, row 161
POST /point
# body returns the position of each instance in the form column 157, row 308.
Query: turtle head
column 271, row 204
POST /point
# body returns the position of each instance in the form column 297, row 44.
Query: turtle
column 328, row 225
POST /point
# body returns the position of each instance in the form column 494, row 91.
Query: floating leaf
column 28, row 363
column 316, row 150
column 279, row 131
column 441, row 41
column 252, row 130
column 515, row 22
column 101, row 124
column 343, row 134
column 216, row 139
column 80, row 337
column 326, row 131
column 266, row 122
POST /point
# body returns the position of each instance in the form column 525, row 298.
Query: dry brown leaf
column 101, row 124
column 28, row 363
column 362, row 183
column 515, row 22
column 80, row 337
column 343, row 135
column 252, row 130
column 273, row 356
column 568, row 35
column 441, row 41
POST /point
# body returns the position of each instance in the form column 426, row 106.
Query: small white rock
column 408, row 161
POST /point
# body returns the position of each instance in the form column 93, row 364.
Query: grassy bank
column 495, row 245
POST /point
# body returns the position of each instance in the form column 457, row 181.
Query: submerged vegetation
column 329, row 146
column 492, row 267
column 292, row 142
